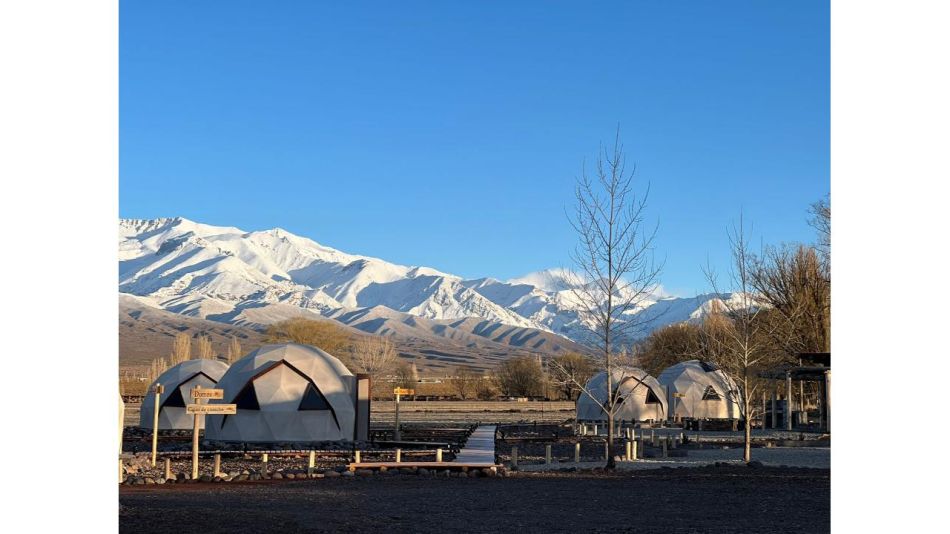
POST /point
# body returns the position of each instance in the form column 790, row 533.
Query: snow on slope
column 254, row 278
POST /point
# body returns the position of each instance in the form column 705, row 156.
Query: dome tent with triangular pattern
column 641, row 396
column 178, row 382
column 699, row 390
column 286, row 393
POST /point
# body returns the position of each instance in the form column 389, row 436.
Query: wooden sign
column 195, row 409
column 679, row 395
column 404, row 391
column 207, row 393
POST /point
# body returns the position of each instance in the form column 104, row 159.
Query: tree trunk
column 747, row 452
column 747, row 401
column 611, row 464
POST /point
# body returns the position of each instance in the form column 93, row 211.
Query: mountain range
column 237, row 279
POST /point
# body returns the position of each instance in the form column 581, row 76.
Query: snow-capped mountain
column 228, row 275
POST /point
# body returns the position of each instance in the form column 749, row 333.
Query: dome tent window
column 247, row 398
column 175, row 400
column 313, row 400
column 711, row 395
column 652, row 398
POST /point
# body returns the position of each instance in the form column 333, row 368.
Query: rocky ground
column 721, row 499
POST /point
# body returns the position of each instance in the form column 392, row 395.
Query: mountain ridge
column 251, row 279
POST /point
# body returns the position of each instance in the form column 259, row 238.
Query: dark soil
column 709, row 499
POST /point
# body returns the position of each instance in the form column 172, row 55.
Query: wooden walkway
column 479, row 452
column 480, row 447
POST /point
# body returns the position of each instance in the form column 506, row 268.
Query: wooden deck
column 480, row 447
column 426, row 465
column 478, row 453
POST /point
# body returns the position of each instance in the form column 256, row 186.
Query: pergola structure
column 814, row 367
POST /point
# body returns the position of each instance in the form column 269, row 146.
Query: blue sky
column 449, row 134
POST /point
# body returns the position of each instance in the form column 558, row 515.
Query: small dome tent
column 178, row 382
column 641, row 396
column 699, row 390
column 286, row 392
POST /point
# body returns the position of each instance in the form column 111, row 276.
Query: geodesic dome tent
column 178, row 381
column 286, row 392
column 641, row 396
column 699, row 390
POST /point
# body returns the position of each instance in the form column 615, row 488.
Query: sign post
column 198, row 409
column 159, row 389
column 194, row 437
column 399, row 392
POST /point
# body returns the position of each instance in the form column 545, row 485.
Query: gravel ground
column 182, row 464
column 710, row 499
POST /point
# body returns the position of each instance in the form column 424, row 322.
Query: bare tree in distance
column 794, row 282
column 234, row 350
column 204, row 348
column 745, row 340
column 406, row 374
column 821, row 222
column 323, row 334
column 520, row 376
column 374, row 355
column 463, row 380
column 567, row 370
column 614, row 267
column 156, row 368
column 181, row 349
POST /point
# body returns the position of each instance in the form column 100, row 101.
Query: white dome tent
column 641, row 396
column 289, row 393
column 178, row 382
column 699, row 390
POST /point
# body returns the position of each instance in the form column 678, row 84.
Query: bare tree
column 821, row 221
column 181, row 349
column 156, row 368
column 374, row 355
column 614, row 268
column 520, row 376
column 795, row 284
column 485, row 387
column 204, row 348
column 745, row 340
column 463, row 380
column 670, row 345
column 324, row 334
column 234, row 350
column 406, row 374
column 568, row 370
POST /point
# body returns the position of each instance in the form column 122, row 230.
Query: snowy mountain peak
column 548, row 280
column 226, row 274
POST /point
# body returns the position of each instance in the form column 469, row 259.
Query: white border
column 889, row 172
column 59, row 139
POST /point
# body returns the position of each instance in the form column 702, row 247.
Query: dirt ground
column 708, row 499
